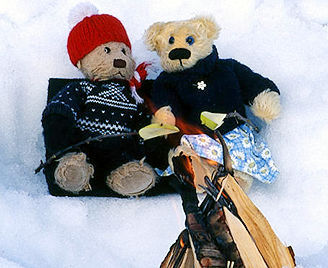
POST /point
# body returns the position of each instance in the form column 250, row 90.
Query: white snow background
column 286, row 41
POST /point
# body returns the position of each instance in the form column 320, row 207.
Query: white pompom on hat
column 80, row 11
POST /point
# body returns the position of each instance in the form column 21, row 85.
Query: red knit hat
column 93, row 31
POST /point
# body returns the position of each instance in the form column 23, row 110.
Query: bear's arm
column 59, row 118
column 67, row 102
column 58, row 133
column 251, row 83
column 163, row 94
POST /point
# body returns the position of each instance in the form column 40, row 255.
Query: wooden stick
column 247, row 249
column 74, row 146
column 271, row 248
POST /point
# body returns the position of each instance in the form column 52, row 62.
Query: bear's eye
column 190, row 40
column 107, row 50
column 123, row 51
column 171, row 40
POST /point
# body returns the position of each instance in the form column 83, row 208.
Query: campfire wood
column 271, row 248
column 250, row 232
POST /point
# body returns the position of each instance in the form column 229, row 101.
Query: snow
column 284, row 40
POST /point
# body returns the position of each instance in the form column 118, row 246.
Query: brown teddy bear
column 195, row 80
column 105, row 103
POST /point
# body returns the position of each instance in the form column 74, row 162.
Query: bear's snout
column 179, row 54
column 119, row 63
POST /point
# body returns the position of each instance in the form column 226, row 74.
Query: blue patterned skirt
column 247, row 154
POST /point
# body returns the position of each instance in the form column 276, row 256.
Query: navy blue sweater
column 213, row 85
column 104, row 107
column 85, row 109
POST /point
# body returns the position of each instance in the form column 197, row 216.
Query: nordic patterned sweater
column 96, row 107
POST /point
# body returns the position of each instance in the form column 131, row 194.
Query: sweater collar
column 203, row 66
column 117, row 81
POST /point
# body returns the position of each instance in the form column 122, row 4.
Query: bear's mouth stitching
column 120, row 74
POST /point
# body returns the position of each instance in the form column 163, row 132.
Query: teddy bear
column 195, row 80
column 104, row 103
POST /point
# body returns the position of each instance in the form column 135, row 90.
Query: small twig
column 207, row 190
column 227, row 162
column 241, row 118
column 224, row 181
column 77, row 145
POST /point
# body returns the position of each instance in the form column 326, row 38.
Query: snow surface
column 284, row 40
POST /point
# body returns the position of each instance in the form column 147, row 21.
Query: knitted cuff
column 59, row 108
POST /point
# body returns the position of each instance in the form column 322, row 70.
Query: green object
column 212, row 120
column 156, row 130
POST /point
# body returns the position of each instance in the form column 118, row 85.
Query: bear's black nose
column 179, row 54
column 118, row 63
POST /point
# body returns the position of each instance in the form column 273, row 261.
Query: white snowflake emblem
column 201, row 85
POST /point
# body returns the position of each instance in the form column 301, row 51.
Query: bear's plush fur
column 195, row 79
column 204, row 31
column 102, row 104
column 266, row 106
column 109, row 61
column 100, row 63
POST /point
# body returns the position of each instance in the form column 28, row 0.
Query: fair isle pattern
column 103, row 129
column 108, row 110
column 86, row 87
column 104, row 107
column 113, row 96
column 114, row 91
column 111, row 103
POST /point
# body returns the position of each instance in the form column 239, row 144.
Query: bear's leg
column 132, row 179
column 73, row 173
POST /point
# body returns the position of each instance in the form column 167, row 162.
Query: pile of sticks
column 229, row 230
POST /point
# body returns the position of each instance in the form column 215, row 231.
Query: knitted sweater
column 213, row 85
column 86, row 108
column 96, row 107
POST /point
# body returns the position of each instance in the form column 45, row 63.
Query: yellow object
column 212, row 120
column 156, row 130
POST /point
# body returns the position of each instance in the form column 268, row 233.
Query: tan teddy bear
column 195, row 80
column 105, row 103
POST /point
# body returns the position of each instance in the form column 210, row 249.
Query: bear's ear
column 206, row 26
column 152, row 34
